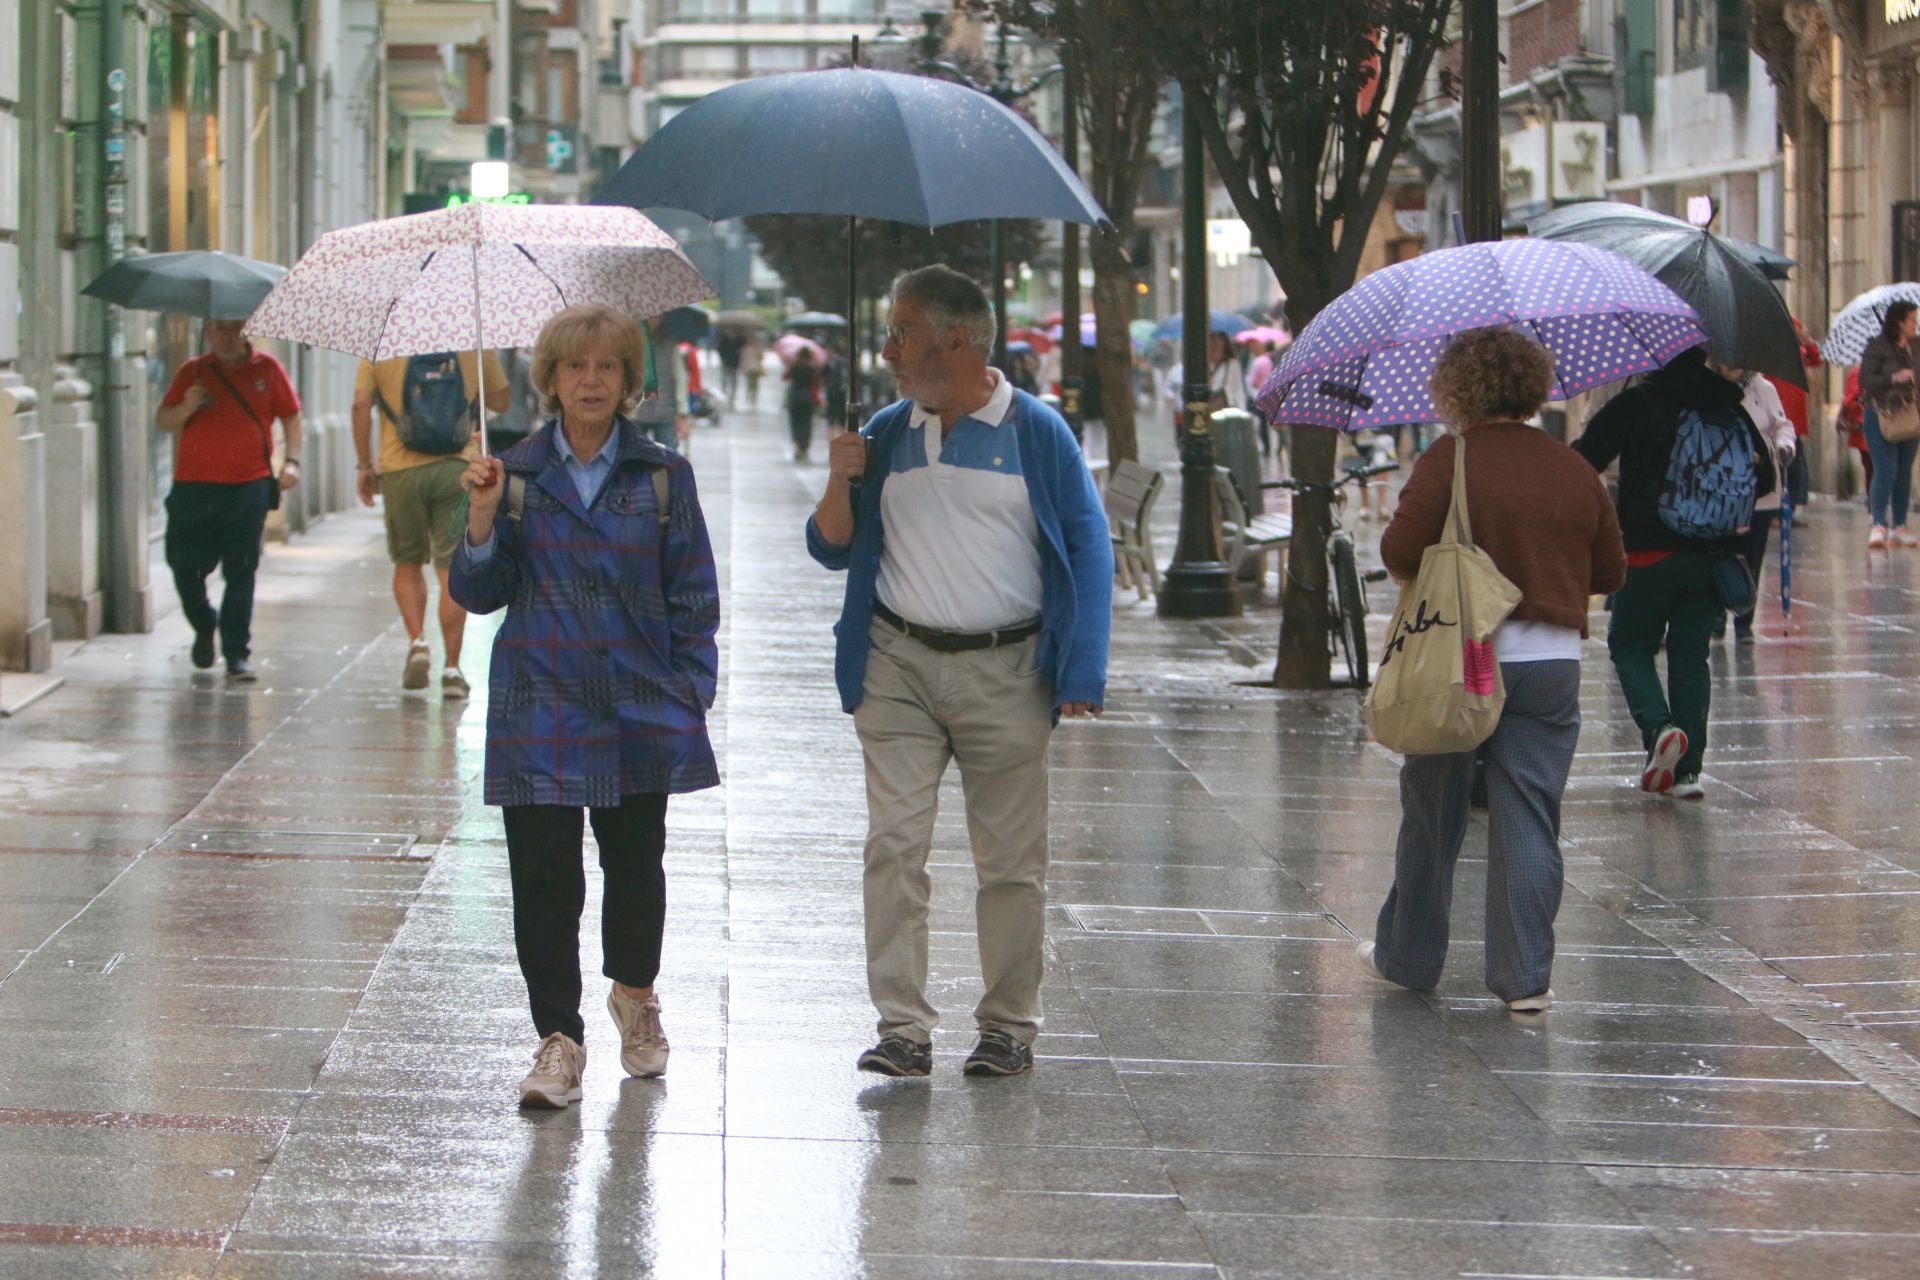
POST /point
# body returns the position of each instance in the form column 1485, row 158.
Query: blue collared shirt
column 588, row 477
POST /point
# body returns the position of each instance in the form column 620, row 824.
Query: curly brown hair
column 1492, row 373
column 579, row 330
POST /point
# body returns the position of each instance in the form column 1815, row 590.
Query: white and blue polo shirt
column 962, row 549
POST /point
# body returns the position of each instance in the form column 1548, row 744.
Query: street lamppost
column 1004, row 90
column 1199, row 583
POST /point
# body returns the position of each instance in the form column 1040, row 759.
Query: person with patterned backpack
column 1692, row 465
column 427, row 407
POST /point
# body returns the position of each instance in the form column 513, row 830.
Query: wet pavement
column 260, row 1016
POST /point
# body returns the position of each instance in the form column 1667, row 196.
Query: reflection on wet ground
column 260, row 1015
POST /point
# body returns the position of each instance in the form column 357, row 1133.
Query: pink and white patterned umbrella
column 475, row 276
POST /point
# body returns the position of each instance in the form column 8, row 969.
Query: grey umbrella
column 199, row 282
column 857, row 143
column 1746, row 322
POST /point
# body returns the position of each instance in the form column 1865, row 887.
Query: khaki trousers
column 992, row 711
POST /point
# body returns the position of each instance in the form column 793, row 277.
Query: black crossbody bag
column 266, row 434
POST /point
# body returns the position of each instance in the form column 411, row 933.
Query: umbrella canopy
column 853, row 142
column 199, row 282
column 817, row 320
column 1366, row 359
column 1034, row 338
column 1746, row 322
column 685, row 324
column 1140, row 332
column 1773, row 264
column 1227, row 322
column 1264, row 333
column 788, row 347
column 475, row 276
column 1859, row 321
column 1019, row 348
column 748, row 322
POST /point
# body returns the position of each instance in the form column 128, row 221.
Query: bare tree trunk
column 1303, row 661
column 1113, row 309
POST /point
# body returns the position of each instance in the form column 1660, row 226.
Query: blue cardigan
column 1076, row 555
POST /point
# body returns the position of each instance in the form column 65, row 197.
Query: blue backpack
column 1711, row 477
column 439, row 415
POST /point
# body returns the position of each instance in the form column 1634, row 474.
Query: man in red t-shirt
column 220, row 409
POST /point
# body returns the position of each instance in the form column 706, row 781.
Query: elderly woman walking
column 1542, row 514
column 1887, row 375
column 591, row 536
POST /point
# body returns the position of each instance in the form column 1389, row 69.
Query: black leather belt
column 956, row 641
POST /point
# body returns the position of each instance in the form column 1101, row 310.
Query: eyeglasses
column 896, row 334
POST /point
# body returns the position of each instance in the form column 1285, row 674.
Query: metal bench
column 1130, row 493
column 1246, row 539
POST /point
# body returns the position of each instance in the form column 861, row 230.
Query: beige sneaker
column 419, row 665
column 453, row 684
column 555, row 1079
column 643, row 1044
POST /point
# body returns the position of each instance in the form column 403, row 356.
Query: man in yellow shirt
column 421, row 491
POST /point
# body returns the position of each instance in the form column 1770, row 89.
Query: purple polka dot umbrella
column 1366, row 359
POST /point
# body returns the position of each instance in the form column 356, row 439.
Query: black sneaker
column 897, row 1056
column 203, row 650
column 1743, row 630
column 241, row 670
column 998, row 1054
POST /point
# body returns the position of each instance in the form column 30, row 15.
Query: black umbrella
column 857, row 143
column 1746, row 322
column 684, row 324
column 199, row 282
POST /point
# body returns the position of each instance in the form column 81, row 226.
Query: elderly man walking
column 978, row 601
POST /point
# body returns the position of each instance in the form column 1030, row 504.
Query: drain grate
column 336, row 846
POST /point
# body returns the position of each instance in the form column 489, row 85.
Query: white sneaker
column 555, row 1079
column 453, row 684
column 1366, row 962
column 1688, row 788
column 1532, row 1004
column 419, row 665
column 643, row 1044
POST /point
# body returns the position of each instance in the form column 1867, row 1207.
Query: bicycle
column 1346, row 584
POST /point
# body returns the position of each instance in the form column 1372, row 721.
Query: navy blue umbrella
column 855, row 143
column 852, row 142
column 1227, row 322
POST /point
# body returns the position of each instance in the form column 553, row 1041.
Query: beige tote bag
column 1439, row 688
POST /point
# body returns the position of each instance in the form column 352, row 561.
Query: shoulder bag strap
column 266, row 433
column 1459, row 524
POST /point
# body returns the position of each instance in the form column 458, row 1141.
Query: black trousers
column 800, row 425
column 550, row 890
column 218, row 525
column 1754, row 551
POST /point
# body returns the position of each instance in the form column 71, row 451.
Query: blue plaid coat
column 605, row 666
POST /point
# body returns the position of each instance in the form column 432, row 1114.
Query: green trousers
column 1675, row 601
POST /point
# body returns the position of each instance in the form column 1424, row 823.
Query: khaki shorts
column 423, row 508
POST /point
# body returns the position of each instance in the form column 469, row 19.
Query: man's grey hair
column 952, row 300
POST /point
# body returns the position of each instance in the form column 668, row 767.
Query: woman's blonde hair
column 1492, row 373
column 578, row 330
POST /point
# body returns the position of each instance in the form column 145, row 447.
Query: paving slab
column 260, row 1019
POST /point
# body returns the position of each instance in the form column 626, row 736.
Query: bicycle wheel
column 1352, row 622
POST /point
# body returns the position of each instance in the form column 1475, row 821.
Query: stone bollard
column 74, row 601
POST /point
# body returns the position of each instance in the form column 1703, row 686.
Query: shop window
column 1906, row 240
column 762, row 59
column 1635, row 38
column 1692, row 33
column 707, row 61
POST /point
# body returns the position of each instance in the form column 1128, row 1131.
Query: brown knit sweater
column 1537, row 507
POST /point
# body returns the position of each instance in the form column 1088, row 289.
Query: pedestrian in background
column 1886, row 383
column 802, row 401
column 1673, row 594
column 753, row 365
column 665, row 415
column 599, row 697
column 427, row 438
column 730, row 344
column 220, row 410
column 1762, row 402
column 1544, row 517
column 979, row 595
